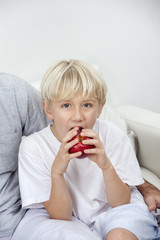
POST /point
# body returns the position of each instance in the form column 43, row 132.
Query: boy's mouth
column 80, row 127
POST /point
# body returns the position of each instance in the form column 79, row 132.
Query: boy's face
column 77, row 111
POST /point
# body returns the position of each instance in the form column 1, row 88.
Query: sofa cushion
column 110, row 114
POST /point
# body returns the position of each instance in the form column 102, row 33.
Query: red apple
column 80, row 146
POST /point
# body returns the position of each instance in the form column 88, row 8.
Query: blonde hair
column 67, row 79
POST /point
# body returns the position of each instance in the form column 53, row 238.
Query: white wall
column 122, row 37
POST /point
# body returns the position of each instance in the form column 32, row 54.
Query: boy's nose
column 77, row 115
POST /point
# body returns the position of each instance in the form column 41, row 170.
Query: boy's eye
column 66, row 105
column 87, row 105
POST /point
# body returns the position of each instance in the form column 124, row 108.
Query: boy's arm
column 117, row 192
column 59, row 205
column 151, row 195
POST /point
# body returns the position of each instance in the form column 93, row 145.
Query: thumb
column 152, row 207
column 151, row 202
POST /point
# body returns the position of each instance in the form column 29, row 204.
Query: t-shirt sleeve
column 34, row 178
column 121, row 154
column 125, row 163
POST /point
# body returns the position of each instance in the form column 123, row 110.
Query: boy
column 95, row 196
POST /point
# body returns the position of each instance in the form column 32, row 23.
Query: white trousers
column 37, row 225
column 6, row 238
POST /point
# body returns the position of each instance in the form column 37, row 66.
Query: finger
column 72, row 133
column 67, row 145
column 93, row 138
column 152, row 207
column 89, row 133
column 71, row 143
column 91, row 151
column 75, row 155
column 151, row 203
column 91, row 141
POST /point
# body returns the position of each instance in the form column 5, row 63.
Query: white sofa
column 143, row 129
column 146, row 126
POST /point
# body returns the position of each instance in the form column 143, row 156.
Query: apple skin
column 80, row 146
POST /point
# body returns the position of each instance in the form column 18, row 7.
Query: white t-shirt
column 83, row 177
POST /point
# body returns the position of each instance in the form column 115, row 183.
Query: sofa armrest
column 146, row 125
column 150, row 177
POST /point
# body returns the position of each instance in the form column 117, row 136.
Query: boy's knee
column 120, row 234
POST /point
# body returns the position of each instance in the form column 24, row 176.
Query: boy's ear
column 47, row 111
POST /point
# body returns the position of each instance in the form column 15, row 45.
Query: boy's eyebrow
column 83, row 100
column 89, row 99
column 64, row 100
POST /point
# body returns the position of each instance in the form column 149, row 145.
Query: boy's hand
column 63, row 157
column 97, row 154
